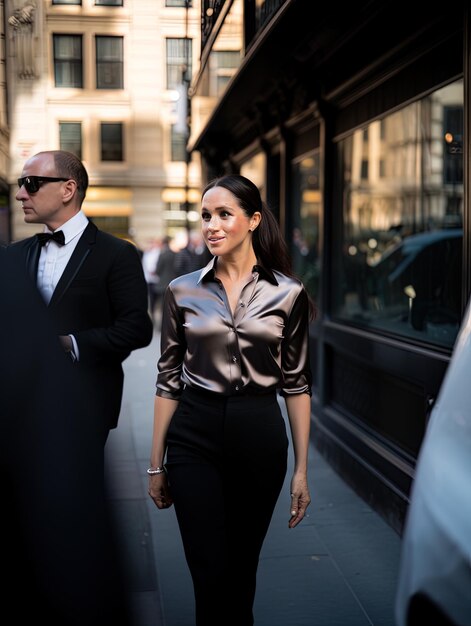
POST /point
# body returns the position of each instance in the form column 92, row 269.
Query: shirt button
column 234, row 358
column 237, row 388
column 242, row 304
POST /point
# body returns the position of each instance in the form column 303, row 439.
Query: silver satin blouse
column 262, row 347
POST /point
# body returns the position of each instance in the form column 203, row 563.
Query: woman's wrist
column 155, row 469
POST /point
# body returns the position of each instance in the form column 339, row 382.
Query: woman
column 233, row 334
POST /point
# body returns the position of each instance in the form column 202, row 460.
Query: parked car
column 434, row 586
column 426, row 266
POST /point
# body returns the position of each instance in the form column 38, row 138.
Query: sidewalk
column 338, row 568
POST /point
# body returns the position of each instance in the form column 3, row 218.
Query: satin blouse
column 261, row 347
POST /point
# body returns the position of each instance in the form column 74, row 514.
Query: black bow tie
column 58, row 237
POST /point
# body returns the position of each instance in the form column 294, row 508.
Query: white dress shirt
column 54, row 258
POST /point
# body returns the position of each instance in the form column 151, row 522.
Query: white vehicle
column 434, row 586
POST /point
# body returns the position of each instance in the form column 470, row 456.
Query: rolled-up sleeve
column 295, row 358
column 172, row 349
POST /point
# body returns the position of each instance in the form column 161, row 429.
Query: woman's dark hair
column 268, row 242
column 269, row 246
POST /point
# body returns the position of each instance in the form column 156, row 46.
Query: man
column 92, row 282
column 193, row 256
column 56, row 527
column 165, row 272
column 149, row 259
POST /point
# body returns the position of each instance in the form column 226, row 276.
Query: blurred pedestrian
column 92, row 282
column 193, row 256
column 233, row 334
column 165, row 271
column 150, row 257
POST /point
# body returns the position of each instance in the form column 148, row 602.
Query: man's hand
column 66, row 343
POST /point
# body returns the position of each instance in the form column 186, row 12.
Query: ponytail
column 269, row 244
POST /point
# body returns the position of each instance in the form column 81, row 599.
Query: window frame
column 77, row 63
column 181, row 62
column 118, row 148
column 102, row 66
column 64, row 146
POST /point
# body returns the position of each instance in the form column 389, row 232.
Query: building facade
column 354, row 122
column 106, row 79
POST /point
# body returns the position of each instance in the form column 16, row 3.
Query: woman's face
column 225, row 226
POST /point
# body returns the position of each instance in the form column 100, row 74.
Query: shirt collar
column 208, row 272
column 265, row 273
column 73, row 227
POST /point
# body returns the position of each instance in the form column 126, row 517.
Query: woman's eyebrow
column 225, row 207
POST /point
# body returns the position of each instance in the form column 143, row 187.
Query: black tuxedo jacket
column 51, row 475
column 102, row 300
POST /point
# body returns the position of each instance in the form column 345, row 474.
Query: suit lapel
column 32, row 259
column 82, row 250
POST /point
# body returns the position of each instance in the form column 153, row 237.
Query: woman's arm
column 164, row 408
column 299, row 415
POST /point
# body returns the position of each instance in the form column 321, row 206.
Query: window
column 177, row 217
column 306, row 221
column 68, row 60
column 178, row 145
column 109, row 62
column 178, row 3
column 453, row 136
column 66, row 1
column 179, row 54
column 397, row 259
column 70, row 137
column 111, row 141
column 223, row 65
column 254, row 168
column 116, row 225
column 111, row 3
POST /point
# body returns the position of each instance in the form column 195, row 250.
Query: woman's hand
column 159, row 491
column 300, row 499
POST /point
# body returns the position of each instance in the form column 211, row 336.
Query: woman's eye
column 205, row 217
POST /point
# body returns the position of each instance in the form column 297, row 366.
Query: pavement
column 339, row 567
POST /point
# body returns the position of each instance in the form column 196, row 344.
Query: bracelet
column 157, row 470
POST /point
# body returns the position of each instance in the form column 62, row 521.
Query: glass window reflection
column 306, row 215
column 397, row 250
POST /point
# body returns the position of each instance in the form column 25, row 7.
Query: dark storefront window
column 399, row 266
column 305, row 232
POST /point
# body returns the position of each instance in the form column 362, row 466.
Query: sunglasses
column 33, row 183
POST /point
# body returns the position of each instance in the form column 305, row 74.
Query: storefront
column 354, row 125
